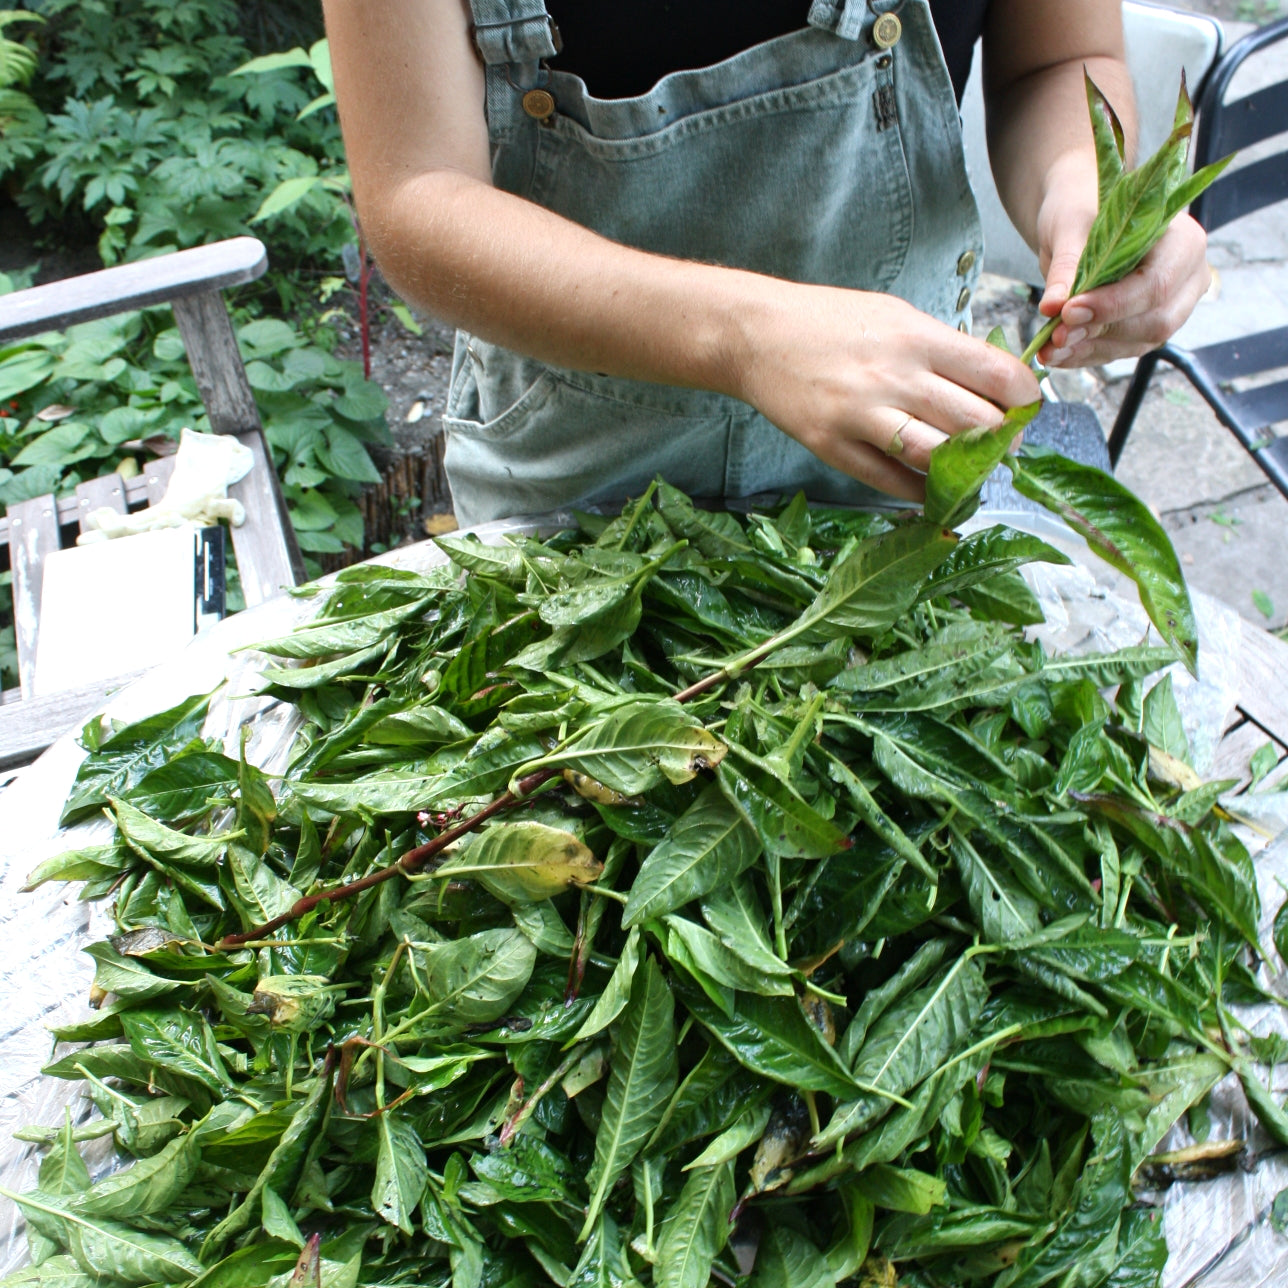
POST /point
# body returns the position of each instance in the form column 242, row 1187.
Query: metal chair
column 268, row 560
column 1226, row 125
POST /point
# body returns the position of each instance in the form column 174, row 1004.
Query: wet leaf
column 475, row 980
column 123, row 757
column 525, row 861
column 877, row 583
column 110, row 1249
column 642, row 1075
column 639, row 745
column 401, row 1172
column 1120, row 529
column 710, row 844
column 695, row 1228
column 960, row 464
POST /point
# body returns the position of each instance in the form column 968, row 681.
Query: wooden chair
column 268, row 560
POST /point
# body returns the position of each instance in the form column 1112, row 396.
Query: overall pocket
column 805, row 182
column 562, row 444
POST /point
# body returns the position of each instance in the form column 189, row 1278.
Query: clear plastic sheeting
column 1218, row 1230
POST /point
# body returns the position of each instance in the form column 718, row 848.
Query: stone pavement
column 1229, row 524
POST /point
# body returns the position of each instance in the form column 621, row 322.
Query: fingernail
column 1079, row 315
column 1075, row 337
column 1058, row 356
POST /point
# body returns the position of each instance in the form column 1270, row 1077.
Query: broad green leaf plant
column 76, row 404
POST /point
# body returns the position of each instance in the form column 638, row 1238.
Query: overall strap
column 514, row 31
column 849, row 19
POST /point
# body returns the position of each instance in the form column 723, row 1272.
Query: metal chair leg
column 1132, row 400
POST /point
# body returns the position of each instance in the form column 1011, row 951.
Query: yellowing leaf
column 527, row 861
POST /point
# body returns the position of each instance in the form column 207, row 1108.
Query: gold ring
column 895, row 446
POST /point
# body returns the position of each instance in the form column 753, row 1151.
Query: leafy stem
column 1036, row 344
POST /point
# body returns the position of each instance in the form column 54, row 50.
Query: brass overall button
column 539, row 104
column 966, row 263
column 963, row 299
column 886, row 31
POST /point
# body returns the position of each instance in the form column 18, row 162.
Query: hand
column 868, row 383
column 1130, row 317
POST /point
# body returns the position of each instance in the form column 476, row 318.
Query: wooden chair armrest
column 160, row 280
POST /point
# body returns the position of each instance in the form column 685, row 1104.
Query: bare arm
column 841, row 371
column 1044, row 161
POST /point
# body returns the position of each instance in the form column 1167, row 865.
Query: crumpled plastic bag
column 205, row 467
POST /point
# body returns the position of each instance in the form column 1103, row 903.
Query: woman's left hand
column 1130, row 317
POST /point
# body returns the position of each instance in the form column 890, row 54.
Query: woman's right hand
column 867, row 382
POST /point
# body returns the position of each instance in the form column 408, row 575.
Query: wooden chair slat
column 216, row 362
column 33, row 527
column 156, row 478
column 145, row 488
column 267, row 556
column 26, row 725
column 161, row 280
column 107, row 493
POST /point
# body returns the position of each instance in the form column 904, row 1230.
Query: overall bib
column 828, row 155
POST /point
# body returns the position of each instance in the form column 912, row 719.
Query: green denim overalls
column 830, row 155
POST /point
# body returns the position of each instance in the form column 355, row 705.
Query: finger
column 1161, row 292
column 1128, row 338
column 950, row 408
column 1066, row 241
column 874, row 467
column 1099, row 352
column 905, row 438
column 983, row 370
column 1059, row 280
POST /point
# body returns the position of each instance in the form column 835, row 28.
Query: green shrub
column 151, row 141
column 21, row 121
column 149, row 125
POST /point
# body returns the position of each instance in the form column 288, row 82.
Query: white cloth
column 205, row 466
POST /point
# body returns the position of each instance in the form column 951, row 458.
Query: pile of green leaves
column 885, row 956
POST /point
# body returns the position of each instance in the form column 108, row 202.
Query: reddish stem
column 409, row 862
column 364, row 309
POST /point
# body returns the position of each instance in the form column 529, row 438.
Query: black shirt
column 622, row 48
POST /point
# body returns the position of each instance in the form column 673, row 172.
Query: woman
column 751, row 275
